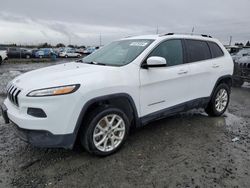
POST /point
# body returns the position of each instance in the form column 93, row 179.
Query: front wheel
column 219, row 101
column 105, row 131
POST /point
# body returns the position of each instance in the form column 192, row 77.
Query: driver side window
column 171, row 50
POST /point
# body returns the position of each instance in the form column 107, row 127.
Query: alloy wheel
column 109, row 133
column 221, row 100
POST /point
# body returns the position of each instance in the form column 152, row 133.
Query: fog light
column 36, row 112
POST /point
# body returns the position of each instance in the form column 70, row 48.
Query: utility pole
column 69, row 40
column 230, row 41
column 100, row 39
column 192, row 31
column 157, row 30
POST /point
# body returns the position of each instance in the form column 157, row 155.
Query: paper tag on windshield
column 138, row 44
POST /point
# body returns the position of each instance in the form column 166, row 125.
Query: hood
column 58, row 75
column 244, row 60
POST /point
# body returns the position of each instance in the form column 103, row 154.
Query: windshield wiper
column 96, row 63
column 91, row 62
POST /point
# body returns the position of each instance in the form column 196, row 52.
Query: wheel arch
column 120, row 100
column 227, row 79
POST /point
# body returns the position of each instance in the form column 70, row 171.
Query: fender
column 102, row 98
column 230, row 77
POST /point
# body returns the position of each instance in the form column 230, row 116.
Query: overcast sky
column 82, row 21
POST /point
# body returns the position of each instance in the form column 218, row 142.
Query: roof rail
column 206, row 36
column 161, row 35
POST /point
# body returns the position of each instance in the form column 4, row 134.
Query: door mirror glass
column 156, row 61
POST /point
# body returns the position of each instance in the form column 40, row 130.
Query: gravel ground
column 187, row 150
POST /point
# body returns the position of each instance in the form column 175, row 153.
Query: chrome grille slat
column 12, row 94
column 16, row 97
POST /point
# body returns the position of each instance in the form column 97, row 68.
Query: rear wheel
column 27, row 56
column 105, row 131
column 219, row 101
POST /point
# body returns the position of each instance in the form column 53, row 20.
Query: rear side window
column 197, row 50
column 215, row 50
column 171, row 50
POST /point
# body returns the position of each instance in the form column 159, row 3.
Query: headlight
column 53, row 91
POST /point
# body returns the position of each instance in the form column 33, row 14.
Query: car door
column 202, row 71
column 169, row 86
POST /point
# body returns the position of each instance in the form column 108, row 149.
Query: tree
column 248, row 43
column 71, row 46
column 45, row 45
column 239, row 44
column 60, row 45
column 82, row 46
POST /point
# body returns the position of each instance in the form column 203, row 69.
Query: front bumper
column 40, row 138
column 45, row 139
column 242, row 71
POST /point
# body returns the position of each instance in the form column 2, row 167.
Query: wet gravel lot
column 187, row 150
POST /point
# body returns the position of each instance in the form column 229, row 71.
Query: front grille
column 12, row 93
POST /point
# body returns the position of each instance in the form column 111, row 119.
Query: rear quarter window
column 215, row 50
column 197, row 50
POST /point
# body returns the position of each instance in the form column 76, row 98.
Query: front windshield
column 118, row 53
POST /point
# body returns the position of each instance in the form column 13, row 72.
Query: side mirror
column 155, row 61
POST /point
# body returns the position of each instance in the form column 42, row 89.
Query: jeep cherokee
column 125, row 84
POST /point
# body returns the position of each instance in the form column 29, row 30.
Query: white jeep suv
column 127, row 83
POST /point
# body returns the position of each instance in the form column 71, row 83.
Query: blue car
column 44, row 52
column 89, row 50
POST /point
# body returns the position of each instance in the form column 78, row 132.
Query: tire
column 40, row 57
column 218, row 104
column 238, row 82
column 66, row 56
column 97, row 124
column 27, row 56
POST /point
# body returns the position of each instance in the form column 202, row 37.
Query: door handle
column 183, row 72
column 216, row 66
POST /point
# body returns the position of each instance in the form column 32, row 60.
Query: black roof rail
column 161, row 35
column 186, row 34
column 206, row 36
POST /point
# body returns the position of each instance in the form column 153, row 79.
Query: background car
column 80, row 50
column 241, row 53
column 19, row 53
column 89, row 50
column 241, row 70
column 69, row 53
column 44, row 53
